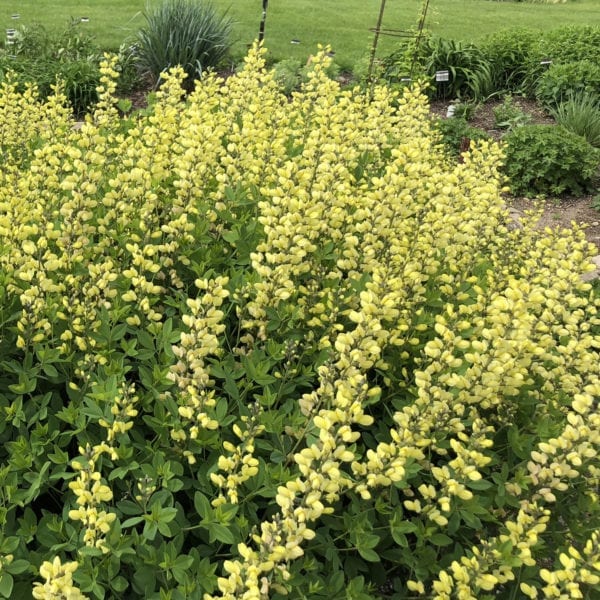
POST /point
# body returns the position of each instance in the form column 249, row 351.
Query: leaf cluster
column 548, row 159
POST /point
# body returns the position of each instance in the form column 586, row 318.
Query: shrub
column 43, row 58
column 255, row 346
column 570, row 44
column 548, row 159
column 562, row 80
column 290, row 73
column 470, row 75
column 287, row 74
column 187, row 33
column 510, row 55
column 581, row 115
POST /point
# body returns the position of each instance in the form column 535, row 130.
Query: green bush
column 287, row 74
column 562, row 80
column 510, row 54
column 570, row 43
column 290, row 73
column 470, row 73
column 43, row 58
column 187, row 33
column 548, row 159
column 581, row 115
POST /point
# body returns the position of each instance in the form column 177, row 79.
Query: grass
column 343, row 24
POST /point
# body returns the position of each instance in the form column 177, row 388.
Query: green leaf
column 440, row 539
column 164, row 529
column 218, row 532
column 181, row 566
column 202, row 505
column 127, row 507
column 132, row 521
column 6, row 584
column 482, row 484
column 119, row 584
column 16, row 567
column 368, row 554
column 150, row 530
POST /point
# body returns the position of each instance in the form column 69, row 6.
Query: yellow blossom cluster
column 59, row 582
column 90, row 492
column 190, row 373
column 239, row 463
column 577, row 568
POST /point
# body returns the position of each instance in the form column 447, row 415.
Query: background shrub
column 182, row 32
column 287, row 74
column 43, row 58
column 510, row 53
column 581, row 115
column 562, row 80
column 469, row 69
column 570, row 44
column 548, row 159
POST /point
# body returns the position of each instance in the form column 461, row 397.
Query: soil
column 557, row 212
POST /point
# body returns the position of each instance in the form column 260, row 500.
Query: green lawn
column 343, row 24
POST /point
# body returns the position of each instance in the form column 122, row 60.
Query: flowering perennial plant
column 256, row 346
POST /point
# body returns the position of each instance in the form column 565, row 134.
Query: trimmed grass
column 342, row 23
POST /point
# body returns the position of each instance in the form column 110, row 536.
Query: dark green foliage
column 509, row 52
column 562, row 80
column 562, row 45
column 182, row 32
column 570, row 43
column 44, row 58
column 469, row 69
column 457, row 133
column 581, row 115
column 548, row 159
column 517, row 56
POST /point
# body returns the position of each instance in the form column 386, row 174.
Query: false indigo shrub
column 262, row 348
column 190, row 34
column 548, row 159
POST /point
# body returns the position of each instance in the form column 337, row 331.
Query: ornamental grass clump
column 183, row 33
column 256, row 346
